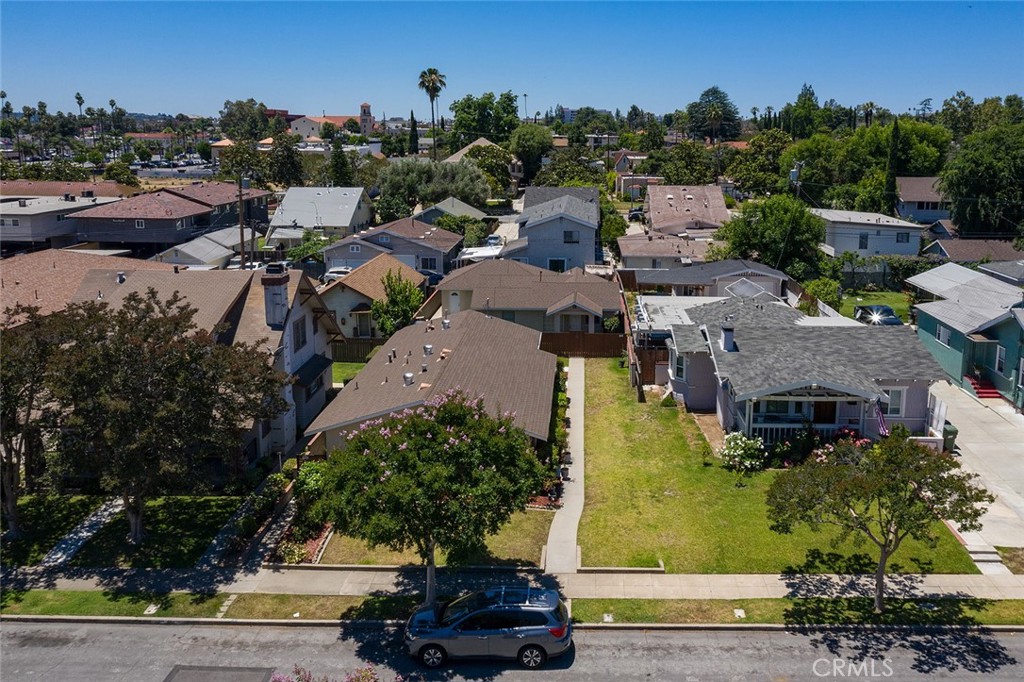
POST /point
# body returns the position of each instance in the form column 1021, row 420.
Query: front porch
column 782, row 417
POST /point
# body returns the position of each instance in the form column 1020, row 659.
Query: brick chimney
column 275, row 294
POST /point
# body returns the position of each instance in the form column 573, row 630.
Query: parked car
column 335, row 273
column 494, row 240
column 528, row 624
column 876, row 315
column 636, row 214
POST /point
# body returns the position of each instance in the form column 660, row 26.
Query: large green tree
column 340, row 166
column 244, row 160
column 285, row 163
column 418, row 182
column 779, row 232
column 882, row 493
column 402, row 298
column 119, row 172
column 414, row 136
column 495, row 161
column 983, row 183
column 473, row 231
column 244, row 119
column 706, row 123
column 756, row 169
column 490, row 116
column 530, row 142
column 146, row 398
column 570, row 167
column 442, row 476
column 686, row 163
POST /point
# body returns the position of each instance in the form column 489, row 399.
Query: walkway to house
column 561, row 548
column 69, row 545
column 990, row 443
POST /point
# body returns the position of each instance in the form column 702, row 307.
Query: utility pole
column 241, row 218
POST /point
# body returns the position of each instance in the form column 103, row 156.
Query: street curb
column 668, row 627
column 386, row 568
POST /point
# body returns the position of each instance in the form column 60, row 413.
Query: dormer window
column 354, row 248
column 385, row 239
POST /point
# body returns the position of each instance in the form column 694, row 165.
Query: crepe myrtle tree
column 443, row 475
column 881, row 493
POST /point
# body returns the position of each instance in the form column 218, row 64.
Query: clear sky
column 311, row 57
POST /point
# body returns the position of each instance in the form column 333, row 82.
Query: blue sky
column 327, row 56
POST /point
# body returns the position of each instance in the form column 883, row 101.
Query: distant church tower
column 365, row 120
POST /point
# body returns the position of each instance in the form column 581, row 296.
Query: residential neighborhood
column 517, row 365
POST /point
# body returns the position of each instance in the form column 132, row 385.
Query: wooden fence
column 583, row 344
column 354, row 349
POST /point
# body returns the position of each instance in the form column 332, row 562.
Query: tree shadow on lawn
column 386, row 647
column 834, row 600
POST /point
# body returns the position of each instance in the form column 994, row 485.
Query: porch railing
column 773, row 433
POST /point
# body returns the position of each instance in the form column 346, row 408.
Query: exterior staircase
column 982, row 388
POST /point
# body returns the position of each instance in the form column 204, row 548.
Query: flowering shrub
column 300, row 674
column 743, row 455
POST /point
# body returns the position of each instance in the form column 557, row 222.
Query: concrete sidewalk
column 561, row 548
column 343, row 581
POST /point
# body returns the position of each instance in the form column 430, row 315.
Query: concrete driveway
column 991, row 444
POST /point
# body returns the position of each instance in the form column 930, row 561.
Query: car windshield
column 460, row 607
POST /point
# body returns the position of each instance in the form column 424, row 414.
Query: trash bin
column 949, row 437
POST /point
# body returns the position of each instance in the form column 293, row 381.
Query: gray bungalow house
column 560, row 234
column 768, row 370
column 416, row 244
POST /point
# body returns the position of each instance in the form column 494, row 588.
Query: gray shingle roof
column 918, row 189
column 707, row 273
column 311, row 207
column 455, row 207
column 775, row 351
column 584, row 211
column 478, row 354
column 539, row 195
column 968, row 287
column 1009, row 269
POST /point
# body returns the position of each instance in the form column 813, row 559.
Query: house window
column 1020, row 373
column 776, row 407
column 571, row 236
column 265, row 427
column 895, row 406
column 353, row 248
column 61, row 217
column 508, row 315
column 902, row 237
column 315, row 387
column 385, row 239
column 863, row 241
column 681, row 367
column 428, row 263
column 942, row 334
column 178, row 224
column 299, row 333
column 1000, row 359
column 556, row 264
column 139, row 224
column 922, row 206
column 656, row 263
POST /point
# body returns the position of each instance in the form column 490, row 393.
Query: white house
column 332, row 210
column 868, row 234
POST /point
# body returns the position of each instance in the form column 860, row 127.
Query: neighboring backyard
column 650, row 496
column 897, row 300
column 344, row 371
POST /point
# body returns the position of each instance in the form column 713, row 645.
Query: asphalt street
column 72, row 652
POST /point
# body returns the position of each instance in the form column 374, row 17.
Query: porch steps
column 983, row 389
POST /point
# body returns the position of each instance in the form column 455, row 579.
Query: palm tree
column 753, row 115
column 80, row 101
column 432, row 82
column 769, row 110
column 869, row 112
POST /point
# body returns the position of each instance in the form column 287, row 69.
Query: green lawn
column 325, row 607
column 801, row 611
column 45, row 520
column 69, row 603
column 343, row 371
column 896, row 300
column 649, row 497
column 519, row 542
column 179, row 529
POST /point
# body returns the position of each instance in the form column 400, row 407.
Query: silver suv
column 529, row 625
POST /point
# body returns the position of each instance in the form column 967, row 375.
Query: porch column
column 863, row 423
column 750, row 419
column 590, row 323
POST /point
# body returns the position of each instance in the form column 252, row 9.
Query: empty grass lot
column 179, row 529
column 649, row 497
column 518, row 543
column 45, row 519
column 896, row 300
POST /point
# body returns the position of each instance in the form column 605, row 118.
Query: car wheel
column 432, row 656
column 532, row 657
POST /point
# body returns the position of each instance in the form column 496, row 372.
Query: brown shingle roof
column 704, row 211
column 49, row 279
column 215, row 193
column 663, row 246
column 413, row 230
column 54, row 188
column 478, row 142
column 366, row 279
column 162, row 205
column 510, row 285
column 918, row 189
column 480, row 355
column 975, row 250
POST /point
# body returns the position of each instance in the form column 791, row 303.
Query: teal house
column 974, row 327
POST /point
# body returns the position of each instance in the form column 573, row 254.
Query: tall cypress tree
column 889, row 200
column 414, row 136
column 341, row 169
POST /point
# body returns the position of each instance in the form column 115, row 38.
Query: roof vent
column 120, row 278
column 446, row 323
column 423, row 367
column 22, row 203
column 407, row 378
column 427, row 349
